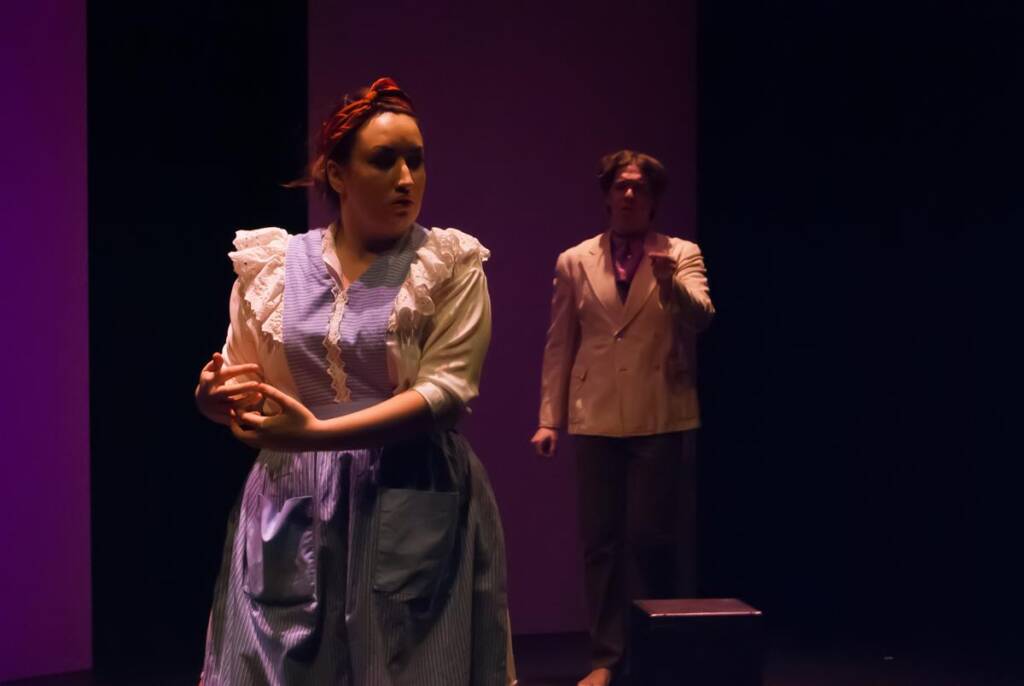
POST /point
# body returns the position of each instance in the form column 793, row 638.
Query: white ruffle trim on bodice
column 332, row 341
column 259, row 261
column 434, row 264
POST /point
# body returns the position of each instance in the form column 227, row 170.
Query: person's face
column 381, row 186
column 629, row 201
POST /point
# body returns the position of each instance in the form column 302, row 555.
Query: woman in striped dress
column 366, row 548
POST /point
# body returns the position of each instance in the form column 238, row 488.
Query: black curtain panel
column 860, row 211
column 197, row 115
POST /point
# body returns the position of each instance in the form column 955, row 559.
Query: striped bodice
column 309, row 302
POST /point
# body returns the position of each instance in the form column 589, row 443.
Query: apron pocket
column 415, row 540
column 280, row 567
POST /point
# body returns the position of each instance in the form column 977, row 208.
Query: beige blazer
column 623, row 369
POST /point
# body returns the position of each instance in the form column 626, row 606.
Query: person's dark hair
column 338, row 132
column 653, row 171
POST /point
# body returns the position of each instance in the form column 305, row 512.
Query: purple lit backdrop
column 44, row 523
column 518, row 102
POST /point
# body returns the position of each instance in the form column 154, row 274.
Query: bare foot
column 602, row 676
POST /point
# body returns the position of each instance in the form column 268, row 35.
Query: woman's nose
column 404, row 175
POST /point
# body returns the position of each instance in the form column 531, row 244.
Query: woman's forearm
column 394, row 419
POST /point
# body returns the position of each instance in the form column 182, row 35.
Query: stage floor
column 559, row 660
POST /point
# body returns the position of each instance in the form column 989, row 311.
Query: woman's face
column 381, row 186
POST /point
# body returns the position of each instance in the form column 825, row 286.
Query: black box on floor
column 696, row 642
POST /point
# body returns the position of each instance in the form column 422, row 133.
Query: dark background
column 857, row 185
column 196, row 114
column 860, row 210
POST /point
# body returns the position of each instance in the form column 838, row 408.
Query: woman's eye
column 414, row 160
column 385, row 159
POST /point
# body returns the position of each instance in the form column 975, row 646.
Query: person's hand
column 216, row 398
column 293, row 428
column 545, row 441
column 664, row 267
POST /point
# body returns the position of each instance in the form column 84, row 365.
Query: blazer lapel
column 643, row 283
column 598, row 268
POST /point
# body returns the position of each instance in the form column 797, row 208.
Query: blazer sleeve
column 559, row 348
column 454, row 350
column 690, row 299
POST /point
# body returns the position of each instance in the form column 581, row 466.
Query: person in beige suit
column 619, row 375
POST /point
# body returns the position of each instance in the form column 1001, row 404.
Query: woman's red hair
column 338, row 131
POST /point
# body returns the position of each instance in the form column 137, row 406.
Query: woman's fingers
column 222, row 406
column 228, row 390
column 246, row 436
column 221, row 414
column 281, row 398
column 250, row 419
column 234, row 370
column 208, row 374
column 247, row 400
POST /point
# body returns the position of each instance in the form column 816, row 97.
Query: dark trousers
column 638, row 519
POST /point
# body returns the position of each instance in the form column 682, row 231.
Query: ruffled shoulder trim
column 435, row 263
column 452, row 246
column 258, row 260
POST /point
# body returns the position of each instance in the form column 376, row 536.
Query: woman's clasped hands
column 291, row 427
column 259, row 415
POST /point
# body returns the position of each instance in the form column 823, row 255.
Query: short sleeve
column 258, row 260
column 456, row 344
column 241, row 345
column 257, row 295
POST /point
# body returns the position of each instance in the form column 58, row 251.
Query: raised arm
column 683, row 286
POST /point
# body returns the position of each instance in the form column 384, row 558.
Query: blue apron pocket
column 280, row 566
column 415, row 541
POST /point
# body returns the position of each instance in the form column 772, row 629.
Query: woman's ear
column 334, row 179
